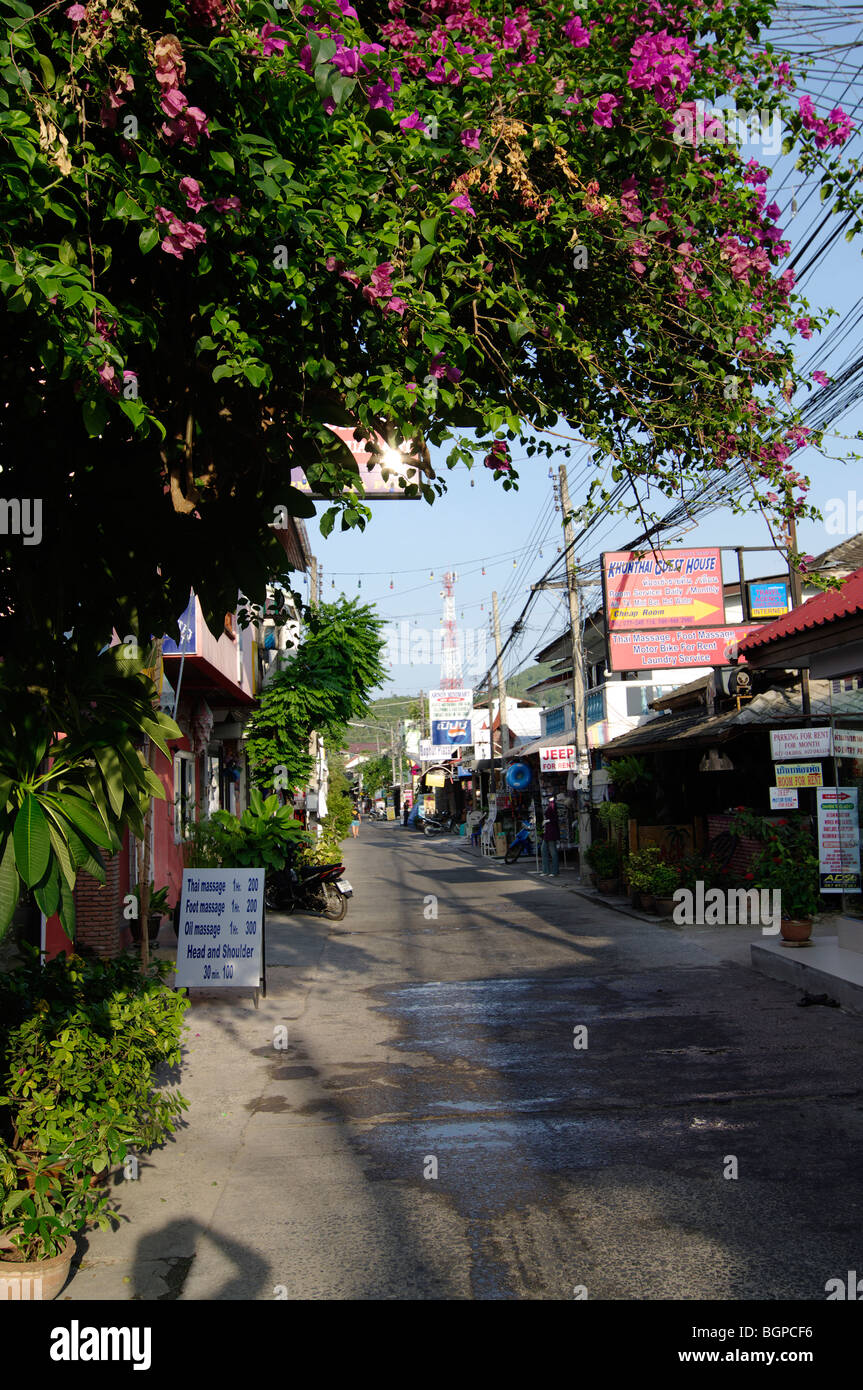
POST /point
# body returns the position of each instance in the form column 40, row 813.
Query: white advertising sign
column 848, row 743
column 799, row 743
column 451, row 718
column 784, row 799
column 221, row 928
column 439, row 752
column 557, row 759
column 838, row 840
column 816, row 743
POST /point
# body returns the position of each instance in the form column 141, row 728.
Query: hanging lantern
column 483, row 569
column 392, row 585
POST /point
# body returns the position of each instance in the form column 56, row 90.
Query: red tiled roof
column 819, row 611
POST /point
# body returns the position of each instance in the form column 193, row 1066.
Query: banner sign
column 768, row 600
column 451, row 716
column 663, row 589
column 557, row 759
column 188, row 638
column 439, row 752
column 655, row 651
column 800, row 743
column 799, row 775
column 784, row 799
column 451, row 733
column 221, row 928
column 838, row 840
column 377, row 483
column 816, row 743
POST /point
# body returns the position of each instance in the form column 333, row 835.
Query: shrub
column 604, row 858
column 80, row 1042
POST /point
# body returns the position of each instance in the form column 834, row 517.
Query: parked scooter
column 522, row 844
column 317, row 888
column 441, row 825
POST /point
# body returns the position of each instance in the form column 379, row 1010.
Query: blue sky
column 505, row 541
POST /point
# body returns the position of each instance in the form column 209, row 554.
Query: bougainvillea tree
column 228, row 226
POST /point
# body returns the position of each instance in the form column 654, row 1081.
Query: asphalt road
column 431, row 1130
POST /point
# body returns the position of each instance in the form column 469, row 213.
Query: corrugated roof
column 819, row 611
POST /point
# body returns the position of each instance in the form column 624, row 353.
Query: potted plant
column 665, row 879
column 604, row 859
column 80, row 1040
column 640, row 870
column 158, row 909
column 788, row 862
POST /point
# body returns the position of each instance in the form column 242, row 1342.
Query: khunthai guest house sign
column 666, row 609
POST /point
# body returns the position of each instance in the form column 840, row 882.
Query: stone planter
column 609, row 886
column 795, row 931
column 665, row 906
column 35, row 1280
column 648, row 902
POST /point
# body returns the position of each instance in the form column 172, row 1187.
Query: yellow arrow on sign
column 696, row 609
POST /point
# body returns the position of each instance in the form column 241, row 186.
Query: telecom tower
column 451, row 677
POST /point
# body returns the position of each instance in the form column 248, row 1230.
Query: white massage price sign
column 221, row 928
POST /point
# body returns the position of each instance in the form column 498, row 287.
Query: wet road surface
column 495, row 1089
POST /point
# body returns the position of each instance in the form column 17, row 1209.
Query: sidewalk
column 728, row 943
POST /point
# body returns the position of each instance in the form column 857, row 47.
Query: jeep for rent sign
column 557, row 759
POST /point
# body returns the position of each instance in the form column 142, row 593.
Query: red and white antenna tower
column 450, row 665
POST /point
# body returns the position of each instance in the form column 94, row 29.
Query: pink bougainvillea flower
column 380, row 96
column 482, row 67
column 606, row 105
column 76, row 13
column 348, row 62
column 272, row 45
column 577, row 34
column 227, row 204
column 191, row 190
column 804, row 327
column 108, row 378
column 413, row 123
column 462, row 202
column 822, row 378
column 173, row 103
column 395, row 306
column 198, row 118
column 470, row 137
column 442, row 74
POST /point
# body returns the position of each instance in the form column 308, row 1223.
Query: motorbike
column 317, row 888
column 522, row 844
column 441, row 825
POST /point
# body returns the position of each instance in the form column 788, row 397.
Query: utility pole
column 501, row 693
column 583, row 792
column 796, row 600
column 314, row 785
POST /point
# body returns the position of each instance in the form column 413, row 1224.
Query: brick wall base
column 99, row 911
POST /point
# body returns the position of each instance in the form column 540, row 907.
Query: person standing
column 355, row 824
column 550, row 839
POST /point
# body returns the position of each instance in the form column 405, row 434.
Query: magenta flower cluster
column 663, row 65
column 834, row 131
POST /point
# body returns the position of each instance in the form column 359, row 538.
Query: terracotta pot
column 35, row 1280
column 648, row 902
column 665, row 906
column 608, row 886
column 795, row 928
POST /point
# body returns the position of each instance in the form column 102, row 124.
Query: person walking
column 355, row 823
column 550, row 839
